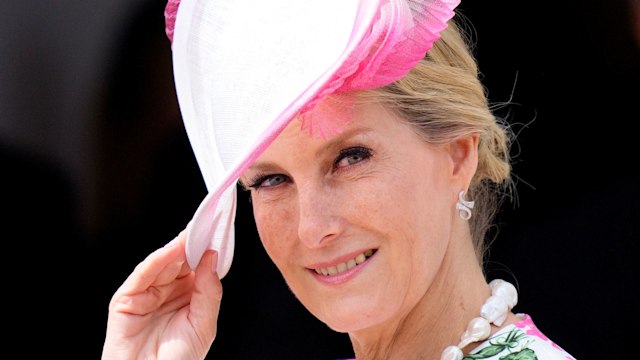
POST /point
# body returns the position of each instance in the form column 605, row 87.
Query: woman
column 360, row 183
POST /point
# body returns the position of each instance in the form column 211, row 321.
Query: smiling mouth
column 340, row 268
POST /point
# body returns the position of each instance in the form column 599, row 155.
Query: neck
column 440, row 316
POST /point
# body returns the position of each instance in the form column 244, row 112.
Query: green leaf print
column 498, row 345
column 487, row 352
column 524, row 354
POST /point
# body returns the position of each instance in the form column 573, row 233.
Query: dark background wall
column 97, row 172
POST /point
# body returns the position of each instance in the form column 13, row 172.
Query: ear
column 464, row 156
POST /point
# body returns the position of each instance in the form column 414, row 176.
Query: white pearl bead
column 494, row 310
column 451, row 353
column 478, row 328
column 496, row 282
column 506, row 291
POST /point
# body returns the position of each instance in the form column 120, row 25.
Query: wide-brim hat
column 244, row 69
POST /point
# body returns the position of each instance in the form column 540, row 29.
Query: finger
column 170, row 297
column 179, row 298
column 186, row 270
column 205, row 302
column 159, row 268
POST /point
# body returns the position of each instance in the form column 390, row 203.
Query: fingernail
column 214, row 262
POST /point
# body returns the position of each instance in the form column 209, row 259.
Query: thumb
column 205, row 301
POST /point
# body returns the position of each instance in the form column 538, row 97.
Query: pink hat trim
column 397, row 39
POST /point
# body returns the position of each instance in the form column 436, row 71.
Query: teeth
column 334, row 270
column 351, row 263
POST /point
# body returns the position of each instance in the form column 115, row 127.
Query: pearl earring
column 464, row 206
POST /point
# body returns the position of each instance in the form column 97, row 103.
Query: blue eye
column 351, row 156
column 268, row 181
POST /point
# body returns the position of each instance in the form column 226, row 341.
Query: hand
column 164, row 310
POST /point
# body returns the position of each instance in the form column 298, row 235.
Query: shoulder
column 519, row 341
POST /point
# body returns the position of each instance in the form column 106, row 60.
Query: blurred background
column 96, row 172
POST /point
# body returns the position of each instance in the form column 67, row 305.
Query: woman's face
column 358, row 224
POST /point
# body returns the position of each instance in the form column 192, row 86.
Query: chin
column 358, row 315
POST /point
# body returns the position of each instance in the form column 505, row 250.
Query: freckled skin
column 398, row 201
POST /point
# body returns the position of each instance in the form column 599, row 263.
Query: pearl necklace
column 504, row 297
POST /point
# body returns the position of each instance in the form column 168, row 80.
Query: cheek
column 274, row 232
column 418, row 215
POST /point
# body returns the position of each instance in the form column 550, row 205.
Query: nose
column 319, row 220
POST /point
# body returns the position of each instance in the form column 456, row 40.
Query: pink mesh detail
column 328, row 115
column 170, row 12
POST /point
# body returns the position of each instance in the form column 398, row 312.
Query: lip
column 345, row 276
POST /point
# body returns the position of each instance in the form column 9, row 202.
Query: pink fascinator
column 244, row 69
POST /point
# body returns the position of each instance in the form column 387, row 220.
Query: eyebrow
column 341, row 138
column 334, row 142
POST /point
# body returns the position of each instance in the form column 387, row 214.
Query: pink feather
column 170, row 12
column 398, row 39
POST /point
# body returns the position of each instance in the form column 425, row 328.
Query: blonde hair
column 445, row 100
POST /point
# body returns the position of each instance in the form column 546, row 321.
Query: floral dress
column 519, row 341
